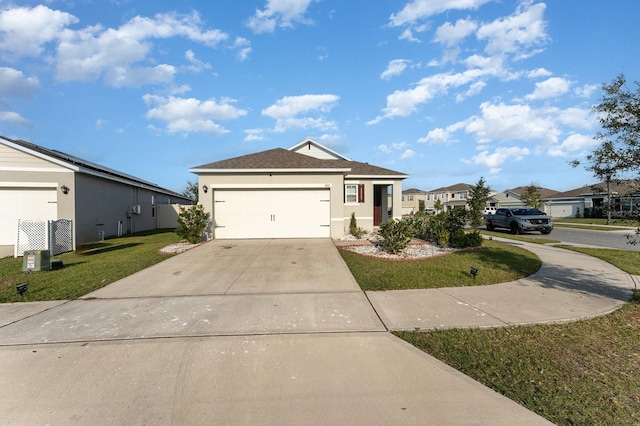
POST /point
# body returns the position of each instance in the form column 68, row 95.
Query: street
column 609, row 239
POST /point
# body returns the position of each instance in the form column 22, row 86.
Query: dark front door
column 377, row 205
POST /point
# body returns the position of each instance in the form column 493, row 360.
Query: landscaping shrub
column 418, row 225
column 192, row 222
column 354, row 229
column 462, row 239
column 395, row 234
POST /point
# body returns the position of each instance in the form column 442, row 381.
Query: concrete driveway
column 231, row 332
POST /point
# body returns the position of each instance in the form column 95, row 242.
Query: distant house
column 449, row 196
column 42, row 184
column 306, row 191
column 592, row 199
column 513, row 197
column 413, row 200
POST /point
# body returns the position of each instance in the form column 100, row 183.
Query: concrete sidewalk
column 569, row 286
column 272, row 332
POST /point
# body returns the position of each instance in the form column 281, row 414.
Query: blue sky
column 446, row 91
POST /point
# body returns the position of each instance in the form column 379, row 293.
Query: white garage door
column 23, row 204
column 272, row 213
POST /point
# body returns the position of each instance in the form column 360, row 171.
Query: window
column 354, row 193
column 410, row 197
column 153, row 206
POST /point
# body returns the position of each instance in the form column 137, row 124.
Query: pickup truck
column 519, row 220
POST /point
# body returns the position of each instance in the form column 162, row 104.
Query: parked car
column 429, row 210
column 519, row 220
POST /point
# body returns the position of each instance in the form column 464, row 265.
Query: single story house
column 413, row 200
column 513, row 197
column 42, row 184
column 625, row 197
column 306, row 191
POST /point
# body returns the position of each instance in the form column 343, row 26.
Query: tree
column 191, row 192
column 437, row 205
column 531, row 196
column 476, row 202
column 618, row 151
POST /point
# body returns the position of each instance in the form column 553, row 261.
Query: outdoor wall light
column 204, row 188
column 474, row 272
column 21, row 288
column 64, row 189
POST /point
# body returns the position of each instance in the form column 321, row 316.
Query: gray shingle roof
column 280, row 158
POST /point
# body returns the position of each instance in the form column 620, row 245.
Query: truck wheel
column 490, row 226
column 515, row 230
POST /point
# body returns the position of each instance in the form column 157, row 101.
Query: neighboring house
column 306, row 191
column 413, row 200
column 625, row 198
column 37, row 183
column 449, row 196
column 513, row 197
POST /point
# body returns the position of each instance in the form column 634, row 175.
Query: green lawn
column 496, row 262
column 581, row 373
column 89, row 268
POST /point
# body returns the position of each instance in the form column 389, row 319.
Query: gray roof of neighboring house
column 85, row 165
column 622, row 188
column 283, row 159
column 456, row 187
column 414, row 191
column 544, row 192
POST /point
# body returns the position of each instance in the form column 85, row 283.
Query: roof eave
column 274, row 170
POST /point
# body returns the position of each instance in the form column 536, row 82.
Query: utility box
column 36, row 260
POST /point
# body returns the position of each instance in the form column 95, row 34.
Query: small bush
column 192, row 222
column 395, row 234
column 462, row 239
column 354, row 229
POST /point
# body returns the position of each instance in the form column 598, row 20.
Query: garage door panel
column 23, row 204
column 287, row 213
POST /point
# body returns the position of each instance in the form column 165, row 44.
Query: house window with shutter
column 354, row 193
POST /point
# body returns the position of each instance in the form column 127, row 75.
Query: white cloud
column 572, row 144
column 516, row 34
column 493, row 161
column 281, row 13
column 287, row 112
column 550, row 88
column 395, row 67
column 14, row 84
column 254, row 135
column 539, row 72
column 186, row 115
column 442, row 135
column 407, row 35
column 94, row 52
column 416, row 10
column 196, row 64
column 450, row 35
column 585, row 91
column 14, row 118
column 501, row 122
column 402, row 103
column 24, row 31
column 244, row 48
column 384, row 149
column 409, row 153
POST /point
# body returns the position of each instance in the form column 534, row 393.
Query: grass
column 586, row 372
column 598, row 224
column 89, row 268
column 497, row 263
column 524, row 238
column 628, row 261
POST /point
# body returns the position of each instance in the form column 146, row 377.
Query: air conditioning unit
column 135, row 209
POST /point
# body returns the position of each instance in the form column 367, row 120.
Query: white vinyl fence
column 53, row 235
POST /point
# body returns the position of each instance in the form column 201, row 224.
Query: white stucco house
column 306, row 191
column 42, row 184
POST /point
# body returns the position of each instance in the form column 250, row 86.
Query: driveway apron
column 272, row 332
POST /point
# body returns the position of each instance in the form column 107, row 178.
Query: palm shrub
column 192, row 222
